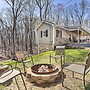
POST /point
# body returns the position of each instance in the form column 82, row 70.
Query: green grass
column 78, row 54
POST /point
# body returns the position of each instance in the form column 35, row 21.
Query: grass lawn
column 78, row 54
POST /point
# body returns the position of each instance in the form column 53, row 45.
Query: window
column 44, row 33
column 58, row 33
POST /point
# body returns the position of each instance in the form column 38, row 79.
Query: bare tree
column 57, row 12
column 16, row 9
column 71, row 12
column 80, row 11
column 48, row 6
column 40, row 4
column 29, row 23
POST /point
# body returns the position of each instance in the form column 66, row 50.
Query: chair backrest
column 88, row 61
column 59, row 50
column 20, row 55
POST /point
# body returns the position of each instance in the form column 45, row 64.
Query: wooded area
column 19, row 19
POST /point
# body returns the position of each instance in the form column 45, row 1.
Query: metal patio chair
column 7, row 75
column 82, row 69
column 60, row 50
column 22, row 59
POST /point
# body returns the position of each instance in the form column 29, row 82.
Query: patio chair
column 60, row 57
column 60, row 50
column 7, row 75
column 82, row 69
column 22, row 59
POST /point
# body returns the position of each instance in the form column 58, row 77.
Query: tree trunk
column 13, row 38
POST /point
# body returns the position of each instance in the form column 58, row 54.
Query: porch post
column 78, row 35
column 53, row 35
column 38, row 42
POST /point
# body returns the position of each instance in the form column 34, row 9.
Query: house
column 47, row 33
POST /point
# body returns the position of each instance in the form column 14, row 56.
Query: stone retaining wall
column 60, row 41
column 43, row 48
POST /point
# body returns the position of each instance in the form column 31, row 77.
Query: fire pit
column 43, row 68
column 42, row 73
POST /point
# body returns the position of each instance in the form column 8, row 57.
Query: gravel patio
column 69, row 84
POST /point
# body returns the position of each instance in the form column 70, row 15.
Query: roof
column 67, row 28
column 47, row 22
column 74, row 28
column 71, row 27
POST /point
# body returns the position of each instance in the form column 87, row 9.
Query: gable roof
column 47, row 22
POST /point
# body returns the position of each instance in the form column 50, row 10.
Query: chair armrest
column 11, row 69
column 25, row 61
column 79, row 64
column 51, row 53
column 56, row 56
column 9, row 72
column 5, row 65
column 18, row 69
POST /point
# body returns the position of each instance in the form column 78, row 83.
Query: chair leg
column 17, row 84
column 55, row 60
column 32, row 60
column 23, row 81
column 50, row 59
column 23, row 66
column 62, row 79
column 73, row 74
column 16, row 63
column 84, row 80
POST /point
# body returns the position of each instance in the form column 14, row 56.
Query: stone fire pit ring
column 39, row 77
column 43, row 68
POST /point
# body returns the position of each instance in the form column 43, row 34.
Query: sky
column 66, row 1
column 3, row 5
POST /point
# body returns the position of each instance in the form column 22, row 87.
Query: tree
column 29, row 23
column 80, row 11
column 16, row 9
column 44, row 8
column 40, row 4
column 47, row 8
column 58, row 10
